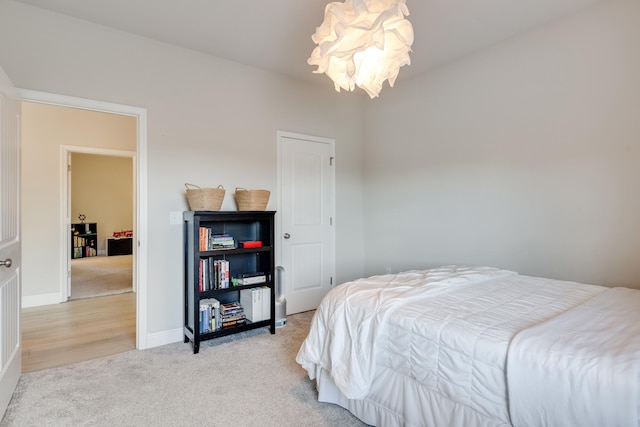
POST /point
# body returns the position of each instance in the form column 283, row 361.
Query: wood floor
column 62, row 334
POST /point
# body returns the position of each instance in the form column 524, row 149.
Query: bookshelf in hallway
column 226, row 252
column 84, row 240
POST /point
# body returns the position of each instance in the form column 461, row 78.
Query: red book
column 252, row 244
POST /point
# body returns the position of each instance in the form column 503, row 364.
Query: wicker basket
column 251, row 200
column 204, row 199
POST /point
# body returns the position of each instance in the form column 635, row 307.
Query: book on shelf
column 213, row 274
column 256, row 303
column 209, row 241
column 257, row 273
column 234, row 322
column 252, row 279
column 251, row 244
column 232, row 314
column 266, row 302
column 221, row 241
column 210, row 318
column 233, row 317
column 203, row 269
column 251, row 300
column 220, row 278
column 231, row 308
column 222, row 245
column 221, row 237
column 224, row 276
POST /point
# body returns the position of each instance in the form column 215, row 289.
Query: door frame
column 140, row 166
column 278, row 223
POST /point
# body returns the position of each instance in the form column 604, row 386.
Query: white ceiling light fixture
column 363, row 43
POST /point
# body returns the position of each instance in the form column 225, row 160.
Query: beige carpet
column 101, row 275
column 249, row 379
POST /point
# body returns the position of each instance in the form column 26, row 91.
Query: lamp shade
column 363, row 43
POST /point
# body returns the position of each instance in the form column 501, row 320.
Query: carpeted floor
column 249, row 379
column 101, row 275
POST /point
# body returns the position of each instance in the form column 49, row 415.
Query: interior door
column 10, row 246
column 306, row 212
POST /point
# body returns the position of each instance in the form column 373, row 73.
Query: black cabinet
column 227, row 255
column 84, row 240
column 120, row 246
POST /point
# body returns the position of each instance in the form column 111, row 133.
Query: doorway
column 62, row 247
column 102, row 213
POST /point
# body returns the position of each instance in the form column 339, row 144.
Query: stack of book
column 232, row 314
column 210, row 320
column 210, row 241
column 222, row 241
column 252, row 279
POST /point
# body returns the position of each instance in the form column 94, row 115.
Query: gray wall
column 524, row 156
column 521, row 156
column 209, row 121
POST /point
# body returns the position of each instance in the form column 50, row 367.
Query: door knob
column 287, row 235
column 6, row 263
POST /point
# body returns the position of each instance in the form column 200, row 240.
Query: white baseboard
column 157, row 339
column 42, row 299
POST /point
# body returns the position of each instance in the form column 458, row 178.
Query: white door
column 10, row 247
column 306, row 218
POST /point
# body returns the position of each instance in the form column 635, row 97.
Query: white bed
column 477, row 346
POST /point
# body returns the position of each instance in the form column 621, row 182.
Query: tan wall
column 47, row 128
column 102, row 190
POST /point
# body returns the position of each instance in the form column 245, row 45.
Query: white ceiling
column 276, row 34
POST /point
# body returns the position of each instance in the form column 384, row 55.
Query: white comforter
column 447, row 329
column 352, row 317
column 581, row 368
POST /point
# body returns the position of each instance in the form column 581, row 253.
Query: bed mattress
column 581, row 368
column 426, row 347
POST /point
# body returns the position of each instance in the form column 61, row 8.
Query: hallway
column 71, row 332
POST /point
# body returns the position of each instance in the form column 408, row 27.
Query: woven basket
column 204, row 199
column 251, row 200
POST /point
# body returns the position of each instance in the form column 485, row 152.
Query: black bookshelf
column 241, row 226
column 84, row 240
